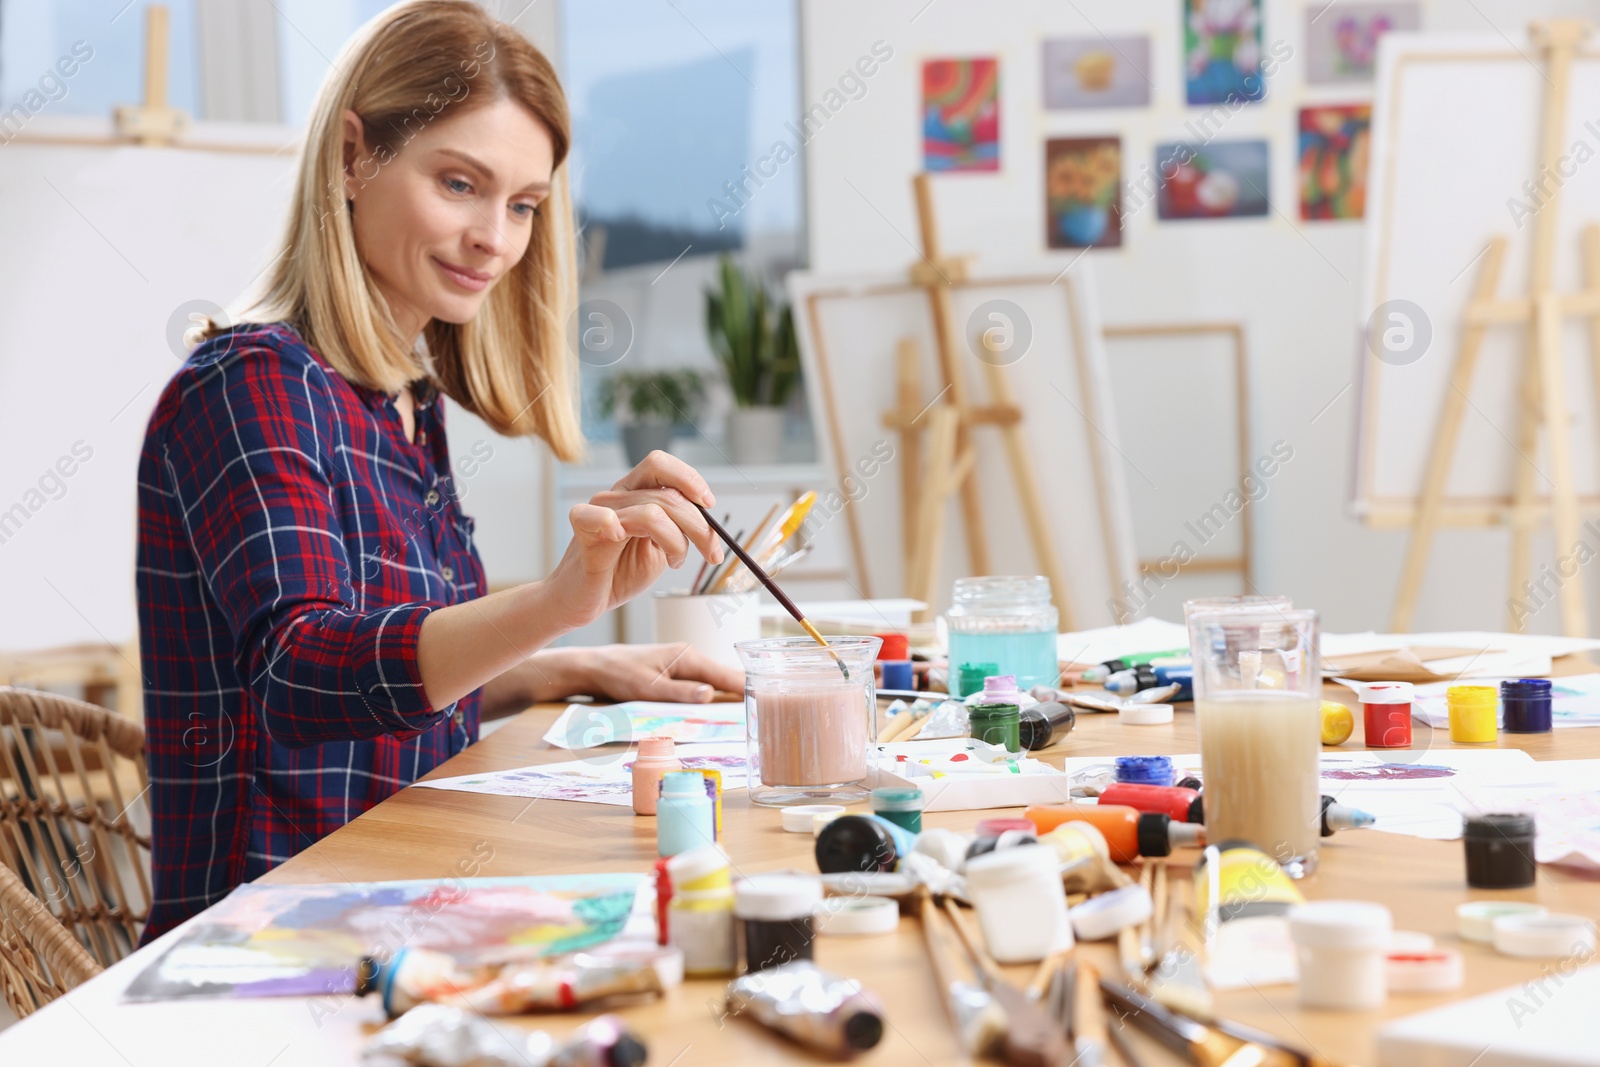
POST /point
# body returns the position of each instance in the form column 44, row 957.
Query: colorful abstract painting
column 1334, row 145
column 583, row 726
column 1342, row 39
column 1222, row 51
column 1223, row 179
column 961, row 114
column 1083, row 192
column 1096, row 72
column 305, row 940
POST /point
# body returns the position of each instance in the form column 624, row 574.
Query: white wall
column 1293, row 284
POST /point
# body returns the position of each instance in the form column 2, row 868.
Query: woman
column 314, row 627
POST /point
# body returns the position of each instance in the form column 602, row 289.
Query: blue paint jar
column 1526, row 702
column 1145, row 770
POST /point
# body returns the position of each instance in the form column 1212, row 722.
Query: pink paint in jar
column 1386, row 713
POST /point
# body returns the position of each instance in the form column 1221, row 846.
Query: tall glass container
column 1007, row 621
column 808, row 728
column 1257, row 698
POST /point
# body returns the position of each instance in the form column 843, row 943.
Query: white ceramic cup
column 709, row 623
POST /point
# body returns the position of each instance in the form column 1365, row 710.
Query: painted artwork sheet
column 603, row 778
column 305, row 940
column 1342, row 39
column 961, row 114
column 1083, row 192
column 1097, row 71
column 1563, row 796
column 1334, row 146
column 1222, row 51
column 583, row 726
column 1223, row 179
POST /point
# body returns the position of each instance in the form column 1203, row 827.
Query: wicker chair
column 70, row 776
column 39, row 960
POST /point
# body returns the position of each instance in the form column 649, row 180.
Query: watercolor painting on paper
column 961, row 114
column 1222, row 51
column 1334, row 145
column 1083, row 192
column 1086, row 72
column 583, row 726
column 606, row 777
column 1342, row 39
column 304, row 940
column 1223, row 179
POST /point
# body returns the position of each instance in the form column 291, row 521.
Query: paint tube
column 420, row 976
column 810, row 1006
column 434, row 1035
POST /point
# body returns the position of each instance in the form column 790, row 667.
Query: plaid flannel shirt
column 291, row 541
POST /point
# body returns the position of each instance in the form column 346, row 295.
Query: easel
column 1541, row 312
column 950, row 460
column 153, row 123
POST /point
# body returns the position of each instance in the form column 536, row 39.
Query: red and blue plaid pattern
column 291, row 541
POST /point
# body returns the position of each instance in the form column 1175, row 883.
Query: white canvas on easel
column 849, row 329
column 1454, row 139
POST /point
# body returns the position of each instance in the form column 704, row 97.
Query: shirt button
column 459, row 717
column 448, row 573
column 432, row 499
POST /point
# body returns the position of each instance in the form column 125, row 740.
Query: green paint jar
column 998, row 724
column 900, row 805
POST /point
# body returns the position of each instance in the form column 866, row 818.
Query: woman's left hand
column 675, row 673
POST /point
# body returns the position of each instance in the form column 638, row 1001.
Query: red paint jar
column 1386, row 713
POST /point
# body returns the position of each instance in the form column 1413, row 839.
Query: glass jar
column 808, row 728
column 1007, row 621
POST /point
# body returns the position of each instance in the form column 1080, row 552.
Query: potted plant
column 647, row 405
column 754, row 341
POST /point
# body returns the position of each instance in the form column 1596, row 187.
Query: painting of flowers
column 1083, row 192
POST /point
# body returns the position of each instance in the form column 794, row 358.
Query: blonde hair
column 510, row 364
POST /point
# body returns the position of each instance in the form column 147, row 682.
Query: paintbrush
column 1033, row 1038
column 772, row 587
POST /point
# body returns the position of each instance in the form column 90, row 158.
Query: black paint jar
column 1499, row 851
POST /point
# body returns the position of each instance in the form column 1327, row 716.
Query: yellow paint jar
column 1473, row 709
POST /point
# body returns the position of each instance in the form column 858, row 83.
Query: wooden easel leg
column 928, row 529
column 1524, row 512
column 1591, row 279
column 908, row 398
column 1442, row 454
column 1564, row 502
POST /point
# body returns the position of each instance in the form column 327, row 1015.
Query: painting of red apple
column 1226, row 179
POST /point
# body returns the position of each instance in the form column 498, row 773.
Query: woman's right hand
column 623, row 538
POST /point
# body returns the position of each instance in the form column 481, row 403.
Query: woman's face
column 442, row 219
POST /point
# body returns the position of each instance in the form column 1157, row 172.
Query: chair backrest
column 73, row 825
column 39, row 960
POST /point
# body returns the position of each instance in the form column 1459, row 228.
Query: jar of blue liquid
column 1008, row 621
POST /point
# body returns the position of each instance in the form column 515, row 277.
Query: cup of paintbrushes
column 712, row 624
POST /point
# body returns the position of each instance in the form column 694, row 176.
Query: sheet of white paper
column 1530, row 644
column 1109, row 642
column 604, row 778
column 583, row 726
column 1418, row 793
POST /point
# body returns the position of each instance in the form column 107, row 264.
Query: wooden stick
column 1048, row 967
column 908, row 389
column 973, row 944
column 1088, row 1015
column 772, row 586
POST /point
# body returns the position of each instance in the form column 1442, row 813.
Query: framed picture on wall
column 1335, row 142
column 1220, row 180
column 961, row 114
column 1083, row 192
column 1097, row 71
column 1342, row 41
column 1222, row 51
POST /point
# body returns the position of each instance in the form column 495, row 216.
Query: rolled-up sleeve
column 247, row 458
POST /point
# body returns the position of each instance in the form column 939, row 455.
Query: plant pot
column 755, row 435
column 642, row 438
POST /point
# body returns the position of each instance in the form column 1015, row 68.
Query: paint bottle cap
column 776, row 897
column 1544, row 935
column 875, row 883
column 1145, row 714
column 1498, row 827
column 897, row 798
column 655, row 747
column 683, row 783
column 694, row 864
column 1384, row 692
column 1104, row 915
column 1340, row 924
column 1475, row 919
column 1006, row 867
column 894, row 647
column 1433, row 970
column 971, row 675
column 856, row 916
column 1471, row 695
column 1145, row 770
column 1525, row 687
column 802, row 818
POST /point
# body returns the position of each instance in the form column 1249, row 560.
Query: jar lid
column 696, row 863
column 1145, row 714
column 897, row 798
column 1525, row 687
column 1544, row 935
column 683, row 783
column 973, row 674
column 776, row 897
column 1104, row 915
column 856, row 916
column 1005, row 866
column 875, row 883
column 1349, row 924
column 1498, row 827
column 802, row 818
column 1475, row 919
column 999, row 683
column 1434, row 970
column 655, row 747
column 1145, row 770
column 894, row 647
column 992, row 712
column 1384, row 692
column 1471, row 694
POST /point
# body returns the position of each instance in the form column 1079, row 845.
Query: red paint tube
column 1170, row 800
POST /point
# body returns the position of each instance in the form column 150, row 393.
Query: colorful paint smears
column 1389, row 772
column 1334, row 145
column 961, row 114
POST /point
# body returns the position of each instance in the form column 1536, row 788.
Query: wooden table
column 422, row 833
